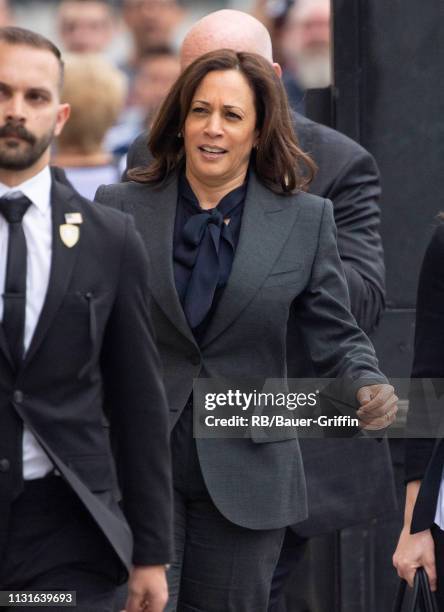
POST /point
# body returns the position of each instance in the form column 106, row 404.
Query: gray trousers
column 219, row 566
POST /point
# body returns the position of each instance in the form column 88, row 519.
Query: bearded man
column 74, row 330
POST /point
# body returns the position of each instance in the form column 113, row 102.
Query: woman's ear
column 278, row 70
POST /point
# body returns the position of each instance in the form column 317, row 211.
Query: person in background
column 300, row 31
column 152, row 24
column 5, row 13
column 85, row 26
column 273, row 16
column 305, row 43
column 96, row 92
column 421, row 542
column 157, row 71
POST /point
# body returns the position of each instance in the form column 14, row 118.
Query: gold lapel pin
column 74, row 218
column 69, row 234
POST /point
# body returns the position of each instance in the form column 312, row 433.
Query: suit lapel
column 158, row 216
column 266, row 223
column 63, row 200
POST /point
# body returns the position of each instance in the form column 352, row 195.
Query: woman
column 96, row 92
column 234, row 244
column 421, row 543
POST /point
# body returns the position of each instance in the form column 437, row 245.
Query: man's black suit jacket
column 93, row 352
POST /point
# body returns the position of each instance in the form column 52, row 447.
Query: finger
column 364, row 395
column 380, row 395
column 379, row 422
column 367, row 394
column 410, row 576
column 372, row 408
column 405, row 569
column 430, row 569
column 157, row 603
column 134, row 603
column 378, row 402
column 431, row 573
column 389, row 406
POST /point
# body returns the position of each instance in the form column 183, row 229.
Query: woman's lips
column 212, row 153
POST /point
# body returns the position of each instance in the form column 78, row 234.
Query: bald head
column 227, row 29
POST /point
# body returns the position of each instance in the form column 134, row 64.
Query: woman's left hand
column 378, row 406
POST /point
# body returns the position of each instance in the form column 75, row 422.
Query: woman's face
column 219, row 131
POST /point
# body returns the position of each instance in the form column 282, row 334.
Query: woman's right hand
column 413, row 551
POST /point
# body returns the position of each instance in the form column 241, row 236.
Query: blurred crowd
column 122, row 58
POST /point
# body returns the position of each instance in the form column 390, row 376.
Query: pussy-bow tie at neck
column 207, row 249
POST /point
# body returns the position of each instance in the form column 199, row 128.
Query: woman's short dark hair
column 278, row 161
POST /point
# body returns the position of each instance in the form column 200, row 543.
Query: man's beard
column 314, row 68
column 15, row 156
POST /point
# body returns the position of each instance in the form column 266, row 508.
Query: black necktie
column 14, row 297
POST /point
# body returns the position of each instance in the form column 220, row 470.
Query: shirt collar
column 37, row 189
column 230, row 200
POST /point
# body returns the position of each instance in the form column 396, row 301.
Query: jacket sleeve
column 138, row 154
column 338, row 347
column 105, row 195
column 426, row 389
column 136, row 404
column 355, row 193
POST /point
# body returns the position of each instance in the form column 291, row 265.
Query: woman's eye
column 232, row 115
column 199, row 109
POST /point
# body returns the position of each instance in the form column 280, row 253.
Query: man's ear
column 63, row 114
column 278, row 70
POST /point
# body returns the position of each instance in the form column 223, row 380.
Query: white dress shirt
column 37, row 226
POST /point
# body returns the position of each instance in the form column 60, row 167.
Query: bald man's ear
column 277, row 69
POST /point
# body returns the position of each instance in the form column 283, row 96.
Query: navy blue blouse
column 203, row 251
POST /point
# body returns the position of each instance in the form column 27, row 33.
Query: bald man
column 349, row 177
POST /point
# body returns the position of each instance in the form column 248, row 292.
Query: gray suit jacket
column 348, row 481
column 286, row 260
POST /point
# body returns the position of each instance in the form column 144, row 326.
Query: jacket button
column 195, row 359
column 4, row 465
column 18, row 396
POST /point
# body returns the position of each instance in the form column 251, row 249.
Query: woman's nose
column 214, row 125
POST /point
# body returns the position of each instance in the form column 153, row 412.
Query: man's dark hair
column 155, row 52
column 20, row 36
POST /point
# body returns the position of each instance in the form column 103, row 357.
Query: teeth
column 212, row 149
